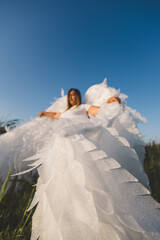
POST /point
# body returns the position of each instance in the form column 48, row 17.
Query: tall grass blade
column 3, row 192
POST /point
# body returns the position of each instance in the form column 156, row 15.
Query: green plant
column 152, row 168
column 15, row 220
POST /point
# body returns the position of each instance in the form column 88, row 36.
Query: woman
column 91, row 182
column 74, row 99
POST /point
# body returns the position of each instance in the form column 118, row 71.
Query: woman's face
column 72, row 98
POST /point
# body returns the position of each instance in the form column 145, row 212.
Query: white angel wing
column 99, row 93
column 59, row 105
column 123, row 118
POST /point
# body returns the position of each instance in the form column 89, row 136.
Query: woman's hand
column 41, row 114
column 114, row 99
column 93, row 110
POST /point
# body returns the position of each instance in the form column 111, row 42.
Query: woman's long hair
column 78, row 97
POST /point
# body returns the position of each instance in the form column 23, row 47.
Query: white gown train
column 91, row 181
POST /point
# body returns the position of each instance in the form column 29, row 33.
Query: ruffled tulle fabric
column 91, row 183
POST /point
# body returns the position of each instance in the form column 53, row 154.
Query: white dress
column 91, row 181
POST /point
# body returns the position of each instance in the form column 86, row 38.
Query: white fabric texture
column 91, row 183
column 76, row 112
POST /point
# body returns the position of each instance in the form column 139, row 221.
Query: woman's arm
column 93, row 110
column 53, row 115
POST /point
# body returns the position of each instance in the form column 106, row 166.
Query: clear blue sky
column 46, row 45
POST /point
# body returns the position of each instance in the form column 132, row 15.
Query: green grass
column 152, row 168
column 15, row 221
